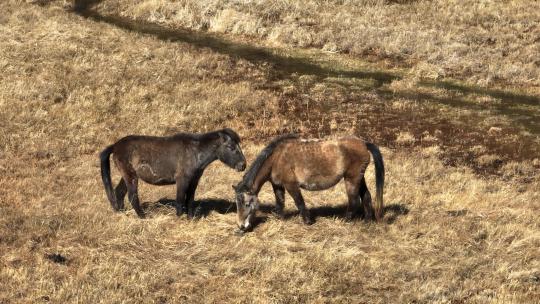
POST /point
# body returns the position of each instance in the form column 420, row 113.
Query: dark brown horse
column 179, row 159
column 291, row 163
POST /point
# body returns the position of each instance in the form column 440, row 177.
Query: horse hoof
column 308, row 221
column 279, row 214
column 239, row 232
column 198, row 212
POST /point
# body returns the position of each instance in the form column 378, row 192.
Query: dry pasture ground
column 71, row 85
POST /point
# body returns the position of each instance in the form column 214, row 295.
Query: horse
column 291, row 163
column 179, row 159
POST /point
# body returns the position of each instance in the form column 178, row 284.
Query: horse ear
column 234, row 187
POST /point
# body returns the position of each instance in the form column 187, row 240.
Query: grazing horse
column 291, row 163
column 179, row 159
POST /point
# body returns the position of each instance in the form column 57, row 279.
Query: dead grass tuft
column 405, row 138
column 488, row 159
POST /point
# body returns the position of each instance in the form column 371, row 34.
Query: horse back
column 319, row 164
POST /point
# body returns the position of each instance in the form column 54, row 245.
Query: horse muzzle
column 244, row 227
column 240, row 167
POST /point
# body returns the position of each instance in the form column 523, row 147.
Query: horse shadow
column 203, row 208
column 391, row 212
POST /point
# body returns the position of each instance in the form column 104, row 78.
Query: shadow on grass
column 203, row 207
column 507, row 97
column 391, row 212
column 207, row 206
column 283, row 66
column 510, row 107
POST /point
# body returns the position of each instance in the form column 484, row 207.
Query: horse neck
column 207, row 153
column 262, row 177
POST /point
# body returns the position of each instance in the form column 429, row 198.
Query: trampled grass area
column 71, row 85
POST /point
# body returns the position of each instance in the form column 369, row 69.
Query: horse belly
column 317, row 183
column 155, row 175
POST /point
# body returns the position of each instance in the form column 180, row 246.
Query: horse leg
column 366, row 201
column 120, row 192
column 352, row 194
column 279, row 192
column 190, row 196
column 296, row 194
column 132, row 185
column 181, row 189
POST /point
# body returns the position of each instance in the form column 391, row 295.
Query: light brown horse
column 291, row 163
column 179, row 159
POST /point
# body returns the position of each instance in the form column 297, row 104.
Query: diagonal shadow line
column 79, row 6
column 500, row 94
column 528, row 119
column 284, row 66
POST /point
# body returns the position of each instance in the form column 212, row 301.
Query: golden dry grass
column 71, row 85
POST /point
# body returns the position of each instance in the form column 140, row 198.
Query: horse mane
column 211, row 135
column 249, row 177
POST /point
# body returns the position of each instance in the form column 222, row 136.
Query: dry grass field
column 461, row 149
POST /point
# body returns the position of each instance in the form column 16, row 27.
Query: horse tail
column 106, row 174
column 379, row 178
